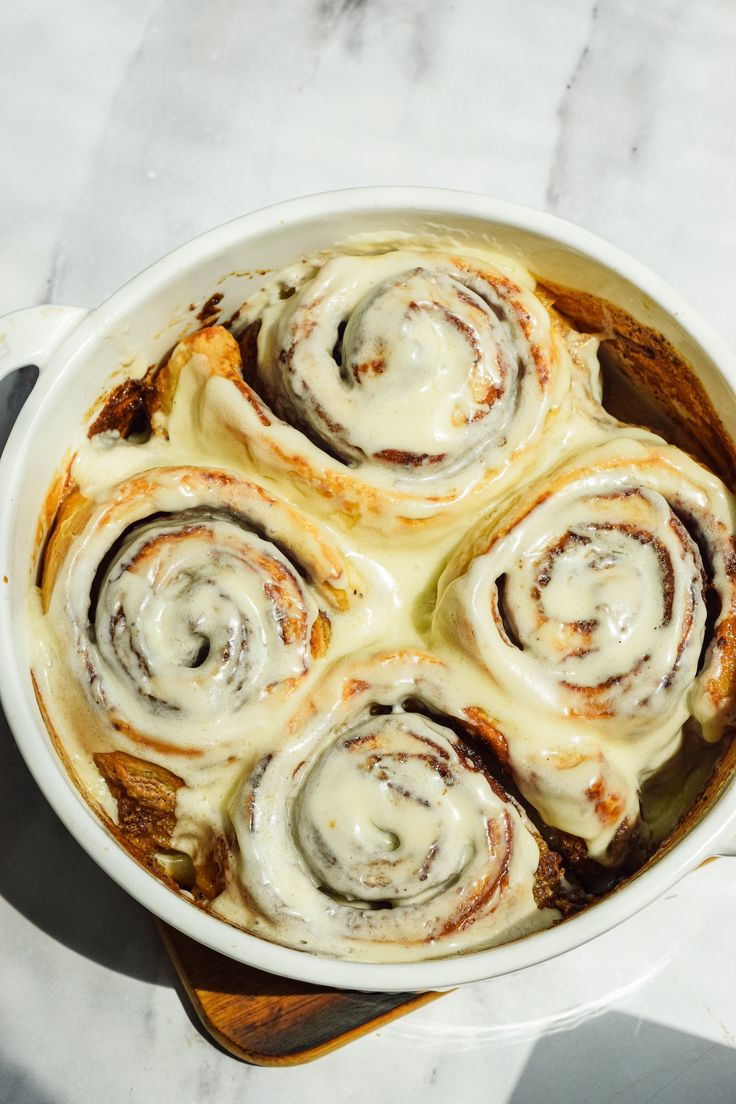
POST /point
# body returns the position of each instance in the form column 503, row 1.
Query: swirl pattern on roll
column 589, row 603
column 254, row 524
column 376, row 833
column 188, row 596
column 368, row 336
column 392, row 386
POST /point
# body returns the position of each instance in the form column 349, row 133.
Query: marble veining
column 126, row 133
column 646, row 142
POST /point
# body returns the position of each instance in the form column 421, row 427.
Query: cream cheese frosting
column 380, row 833
column 379, row 712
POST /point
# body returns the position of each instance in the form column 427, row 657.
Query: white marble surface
column 129, row 127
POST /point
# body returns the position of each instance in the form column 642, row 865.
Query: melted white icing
column 213, row 724
column 585, row 606
column 376, row 836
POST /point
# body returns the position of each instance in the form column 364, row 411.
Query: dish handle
column 33, row 334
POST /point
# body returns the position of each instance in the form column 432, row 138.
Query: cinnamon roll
column 377, row 833
column 601, row 607
column 297, row 686
column 187, row 601
column 392, row 387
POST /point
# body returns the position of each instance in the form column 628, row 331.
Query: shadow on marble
column 626, row 1058
column 46, row 876
column 14, row 390
column 19, row 1086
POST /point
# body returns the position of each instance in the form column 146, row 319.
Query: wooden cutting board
column 272, row 1021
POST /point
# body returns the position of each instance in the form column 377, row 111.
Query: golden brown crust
column 320, row 636
column 131, row 406
column 212, row 871
column 551, row 888
column 72, row 515
column 146, row 798
column 61, row 487
column 593, row 880
column 213, row 342
column 127, row 409
column 720, row 689
column 490, row 733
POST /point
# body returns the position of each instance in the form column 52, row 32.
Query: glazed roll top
column 185, row 599
column 376, row 832
column 603, row 603
column 419, row 363
column 301, row 689
column 391, row 387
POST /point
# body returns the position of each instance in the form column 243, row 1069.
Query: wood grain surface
column 273, row 1021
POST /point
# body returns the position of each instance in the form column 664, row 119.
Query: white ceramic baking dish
column 80, row 352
